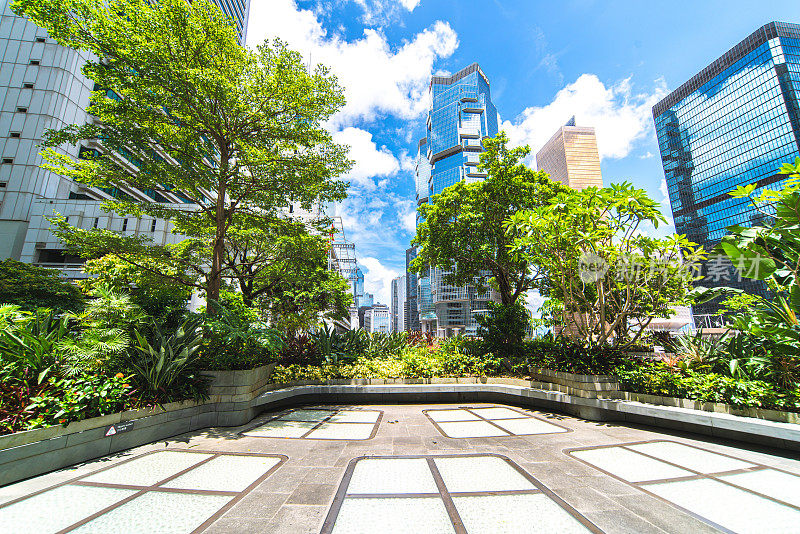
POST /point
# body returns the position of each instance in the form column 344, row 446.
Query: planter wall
column 30, row 453
column 591, row 386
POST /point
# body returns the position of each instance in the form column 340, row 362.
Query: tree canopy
column 204, row 131
column 31, row 287
column 462, row 230
column 607, row 275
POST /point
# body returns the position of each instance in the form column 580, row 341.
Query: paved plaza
column 416, row 468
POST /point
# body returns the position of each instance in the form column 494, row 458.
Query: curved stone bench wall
column 30, row 453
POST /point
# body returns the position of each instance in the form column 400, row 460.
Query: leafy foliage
column 239, row 131
column 503, row 329
column 164, row 365
column 31, row 287
column 608, row 277
column 73, row 399
column 559, row 354
column 158, row 297
column 462, row 228
column 658, row 379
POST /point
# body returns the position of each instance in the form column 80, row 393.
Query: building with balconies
column 460, row 116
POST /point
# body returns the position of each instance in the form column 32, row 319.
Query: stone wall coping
column 33, row 452
column 389, row 386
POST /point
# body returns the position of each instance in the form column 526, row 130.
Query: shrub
column 165, row 365
column 299, row 350
column 658, row 379
column 73, row 399
column 32, row 287
column 503, row 328
column 572, row 357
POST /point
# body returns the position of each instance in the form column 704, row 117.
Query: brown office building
column 571, row 157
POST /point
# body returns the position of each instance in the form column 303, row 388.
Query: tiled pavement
column 574, row 476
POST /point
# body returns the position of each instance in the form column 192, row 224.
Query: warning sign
column 118, row 428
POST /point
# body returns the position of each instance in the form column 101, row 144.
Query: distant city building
column 734, row 123
column 368, row 300
column 43, row 88
column 399, row 304
column 460, row 116
column 377, row 319
column 411, row 310
column 571, row 157
column 356, row 280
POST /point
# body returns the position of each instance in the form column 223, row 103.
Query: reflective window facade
column 734, row 123
column 461, row 114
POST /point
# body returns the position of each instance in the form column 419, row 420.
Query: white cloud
column 379, row 12
column 377, row 278
column 619, row 116
column 378, row 79
column 370, row 160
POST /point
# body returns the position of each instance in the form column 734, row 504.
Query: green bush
column 32, row 287
column 73, row 399
column 503, row 329
column 560, row 354
column 659, row 379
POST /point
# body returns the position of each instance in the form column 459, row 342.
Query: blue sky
column 606, row 62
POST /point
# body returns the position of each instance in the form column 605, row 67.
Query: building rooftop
column 751, row 42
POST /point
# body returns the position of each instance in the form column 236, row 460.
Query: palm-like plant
column 108, row 323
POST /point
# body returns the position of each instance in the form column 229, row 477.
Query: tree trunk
column 218, row 254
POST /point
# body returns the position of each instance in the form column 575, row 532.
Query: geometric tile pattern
column 490, row 421
column 728, row 493
column 443, row 494
column 319, row 423
column 161, row 492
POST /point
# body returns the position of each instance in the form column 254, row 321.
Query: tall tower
column 571, row 157
column 733, row 123
column 461, row 114
column 43, row 89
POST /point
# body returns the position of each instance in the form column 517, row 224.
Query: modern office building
column 460, row 116
column 368, row 300
column 399, row 304
column 571, row 157
column 43, row 88
column 377, row 319
column 733, row 123
column 411, row 309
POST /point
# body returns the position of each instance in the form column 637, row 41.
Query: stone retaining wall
column 238, row 396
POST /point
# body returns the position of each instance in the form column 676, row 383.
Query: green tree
column 608, row 276
column 462, row 230
column 159, row 297
column 31, row 287
column 283, row 269
column 503, row 328
column 231, row 131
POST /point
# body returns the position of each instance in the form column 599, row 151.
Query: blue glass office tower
column 461, row 114
column 734, row 123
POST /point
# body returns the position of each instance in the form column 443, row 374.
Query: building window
column 34, row 62
column 14, row 135
column 96, row 221
column 3, row 185
column 153, row 226
column 27, row 85
column 124, row 224
column 40, row 39
column 22, row 110
column 8, row 161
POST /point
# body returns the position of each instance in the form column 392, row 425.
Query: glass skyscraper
column 461, row 114
column 734, row 123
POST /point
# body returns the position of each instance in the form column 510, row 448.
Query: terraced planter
column 591, row 386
